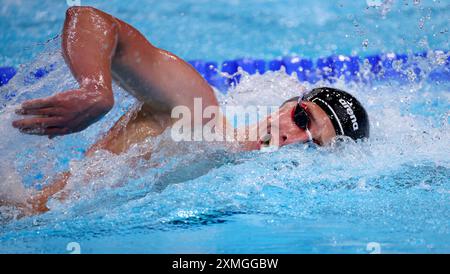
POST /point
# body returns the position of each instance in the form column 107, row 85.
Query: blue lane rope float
column 6, row 73
column 390, row 66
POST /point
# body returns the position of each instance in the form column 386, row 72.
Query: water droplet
column 365, row 43
column 421, row 23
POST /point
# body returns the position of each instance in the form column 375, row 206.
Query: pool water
column 393, row 191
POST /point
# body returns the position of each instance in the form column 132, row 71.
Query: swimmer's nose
column 283, row 139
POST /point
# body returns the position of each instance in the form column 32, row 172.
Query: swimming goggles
column 301, row 118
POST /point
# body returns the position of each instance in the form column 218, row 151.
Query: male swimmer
column 99, row 48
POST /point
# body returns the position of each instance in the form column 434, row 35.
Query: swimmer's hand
column 64, row 113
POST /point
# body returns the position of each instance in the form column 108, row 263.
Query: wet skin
column 99, row 48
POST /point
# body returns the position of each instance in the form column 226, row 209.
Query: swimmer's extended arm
column 98, row 47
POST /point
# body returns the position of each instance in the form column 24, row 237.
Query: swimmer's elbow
column 89, row 15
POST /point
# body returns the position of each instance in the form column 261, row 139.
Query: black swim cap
column 348, row 116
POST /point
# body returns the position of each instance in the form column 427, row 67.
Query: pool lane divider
column 390, row 66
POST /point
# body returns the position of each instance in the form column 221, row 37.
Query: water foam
column 398, row 177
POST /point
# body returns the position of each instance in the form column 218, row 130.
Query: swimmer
column 99, row 48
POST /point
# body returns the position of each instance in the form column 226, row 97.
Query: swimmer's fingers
column 38, row 123
column 51, row 132
column 39, row 103
column 40, row 111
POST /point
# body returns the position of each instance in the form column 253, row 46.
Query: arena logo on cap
column 348, row 107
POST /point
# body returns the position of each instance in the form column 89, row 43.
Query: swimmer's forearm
column 56, row 186
column 89, row 41
column 39, row 201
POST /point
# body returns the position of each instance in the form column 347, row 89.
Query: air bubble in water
column 365, row 43
column 421, row 23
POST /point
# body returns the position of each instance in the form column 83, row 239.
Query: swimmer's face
column 283, row 130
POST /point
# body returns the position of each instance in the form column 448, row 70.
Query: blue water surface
column 393, row 190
